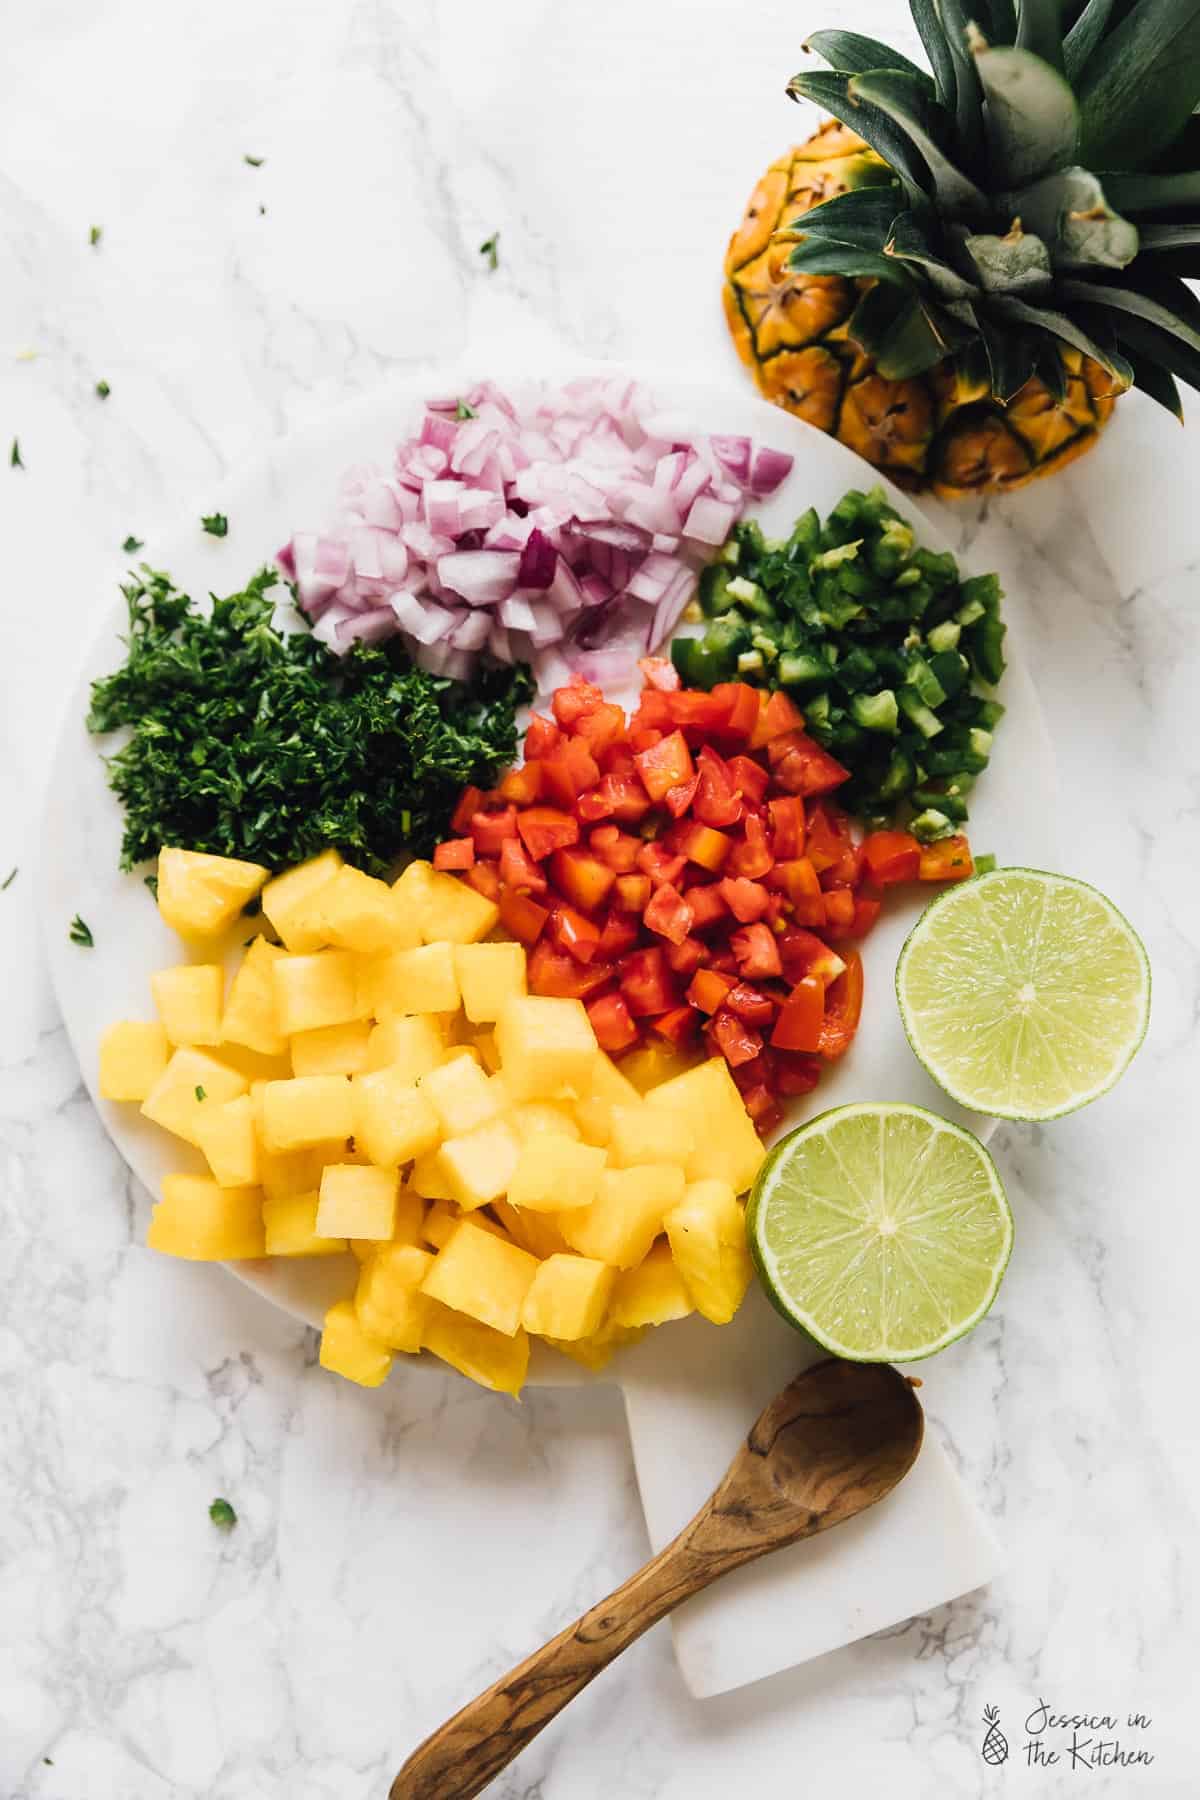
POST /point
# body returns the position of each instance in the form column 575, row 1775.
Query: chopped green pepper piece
column 876, row 712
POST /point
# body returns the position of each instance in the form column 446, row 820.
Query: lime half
column 1025, row 995
column 882, row 1231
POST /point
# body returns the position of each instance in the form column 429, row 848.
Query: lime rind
column 814, row 1228
column 1082, row 1027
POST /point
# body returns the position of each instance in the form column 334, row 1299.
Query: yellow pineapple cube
column 654, row 1063
column 461, row 1095
column 388, row 1300
column 393, row 1120
column 554, row 1174
column 483, row 1276
column 292, row 902
column 331, row 1049
column 191, row 1080
column 357, row 1201
column 594, row 1109
column 595, row 1352
column 454, row 913
column 645, row 1134
column 707, row 1234
column 567, row 1297
column 478, row 1165
column 188, row 998
column 205, row 1223
column 404, row 982
column 535, row 1232
column 627, row 1215
column 347, row 1350
column 727, row 1145
column 410, row 1046
column 308, row 1110
column 251, row 1016
column 429, row 1178
column 199, row 895
column 290, row 1223
column 542, row 1118
column 408, row 1228
column 489, row 1357
column 653, row 1293
column 229, row 1140
column 133, row 1055
column 440, row 1223
column 547, row 1047
column 486, row 1048
column 410, row 892
column 488, row 975
column 359, row 912
column 313, row 991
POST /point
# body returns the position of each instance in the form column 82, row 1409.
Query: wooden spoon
column 836, row 1440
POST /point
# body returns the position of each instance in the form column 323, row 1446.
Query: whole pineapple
column 960, row 272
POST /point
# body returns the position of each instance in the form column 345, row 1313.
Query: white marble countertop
column 397, row 1550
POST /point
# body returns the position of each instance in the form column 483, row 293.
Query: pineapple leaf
column 997, row 19
column 1017, row 263
column 1141, row 85
column 1171, row 236
column 1032, row 120
column 968, row 98
column 908, row 242
column 1070, row 212
column 850, row 53
column 1154, row 380
column 1039, row 31
column 831, row 91
column 1048, row 365
column 1136, row 194
column 1137, row 336
column 863, row 216
column 926, row 124
column 1011, row 359
column 929, row 27
column 1019, row 312
column 894, row 329
column 1173, row 308
column 1084, row 36
column 816, row 257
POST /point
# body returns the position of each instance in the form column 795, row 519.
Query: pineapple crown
column 1041, row 193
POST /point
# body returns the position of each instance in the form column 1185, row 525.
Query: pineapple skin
column 925, row 434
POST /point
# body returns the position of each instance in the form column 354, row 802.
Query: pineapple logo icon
column 995, row 1745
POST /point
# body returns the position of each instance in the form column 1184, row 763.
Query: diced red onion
column 482, row 577
column 539, row 559
column 771, row 468
column 709, row 521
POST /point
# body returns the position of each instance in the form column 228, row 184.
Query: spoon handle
column 463, row 1755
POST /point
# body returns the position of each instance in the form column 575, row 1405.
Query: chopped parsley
column 200, row 1092
column 259, row 744
column 103, row 390
column 256, row 162
column 132, row 545
column 8, row 881
column 463, row 411
column 490, row 248
column 95, row 234
column 14, row 456
column 222, row 1515
column 151, row 882
column 81, row 934
column 216, row 524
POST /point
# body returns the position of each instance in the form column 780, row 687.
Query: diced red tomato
column 553, row 972
column 469, row 803
column 615, row 847
column 752, row 857
column 485, row 879
column 544, row 828
column 592, row 806
column 700, row 844
column 796, row 1073
column 741, row 706
column 568, row 772
column 709, row 988
column 747, row 900
column 522, row 786
column 749, row 778
column 843, row 1008
column 518, row 869
column 676, row 1026
column 646, row 983
column 521, row 915
column 455, row 853
column 669, row 914
column 623, row 797
column 757, row 952
column 659, row 863
column 866, row 911
column 490, row 830
column 778, row 716
column 612, row 1023
column 708, row 904
column 799, row 1024
column 575, row 933
column 839, row 909
column 948, row 860
column 750, row 1003
column 685, row 958
column 892, row 856
column 573, row 700
column 804, row 953
column 829, row 834
column 678, row 799
column 847, row 871
column 541, row 738
column 660, row 673
column 584, row 879
column 665, row 765
column 653, row 712
column 619, row 936
column 788, row 827
column 633, row 892
column 697, row 714
column 718, row 802
column 763, row 1108
column 739, row 1042
column 601, row 728
column 800, row 766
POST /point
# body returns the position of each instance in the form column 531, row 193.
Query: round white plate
column 294, row 487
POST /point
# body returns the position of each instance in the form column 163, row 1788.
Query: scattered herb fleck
column 81, row 933
column 216, row 524
column 14, row 455
column 200, row 1092
column 49, row 1761
column 132, row 545
column 463, row 411
column 262, row 209
column 151, row 882
column 95, row 234
column 253, row 743
column 490, row 248
column 8, row 880
column 222, row 1515
column 103, row 389
column 256, row 162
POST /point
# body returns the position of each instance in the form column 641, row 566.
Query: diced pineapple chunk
column 542, row 1118
column 547, row 1047
column 429, row 1178
column 191, row 1080
column 251, row 1017
column 595, row 1352
column 567, row 1297
column 707, row 1233
column 410, row 1046
column 651, row 1294
column 484, row 1044
column 188, row 998
column 488, row 975
column 359, row 912
column 444, row 1218
column 286, row 1173
column 402, row 982
column 489, row 1357
column 230, row 1142
column 461, row 1095
column 655, row 1063
column 292, row 902
column 290, row 1223
column 594, row 1109
column 388, row 1300
column 610, row 1083
column 627, row 1215
column 727, row 1145
column 554, row 1174
column 535, row 1232
column 331, row 1049
column 313, row 991
column 205, row 1223
column 482, row 1276
column 393, row 1120
column 311, row 1109
column 347, row 1350
column 478, row 1165
column 642, row 1134
column 410, row 891
column 454, row 913
column 199, row 895
column 357, row 1201
column 133, row 1055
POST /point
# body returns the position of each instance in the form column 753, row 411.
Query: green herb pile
column 256, row 743
column 878, row 641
